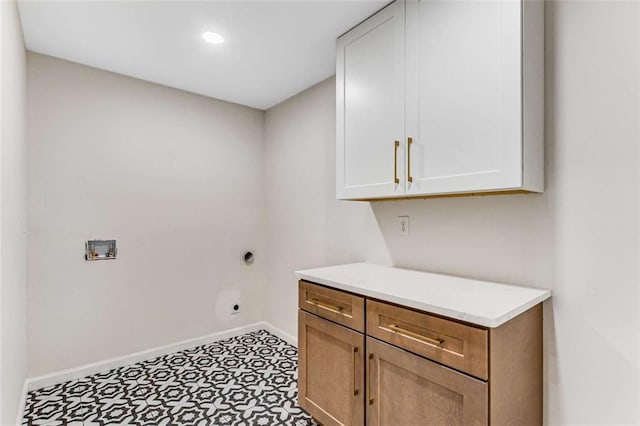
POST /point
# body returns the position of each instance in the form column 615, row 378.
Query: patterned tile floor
column 244, row 380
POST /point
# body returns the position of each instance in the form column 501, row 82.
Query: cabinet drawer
column 335, row 305
column 460, row 346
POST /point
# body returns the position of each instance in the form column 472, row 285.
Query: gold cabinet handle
column 369, row 381
column 409, row 143
column 407, row 333
column 328, row 307
column 355, row 385
column 395, row 162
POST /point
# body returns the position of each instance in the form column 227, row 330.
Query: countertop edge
column 489, row 322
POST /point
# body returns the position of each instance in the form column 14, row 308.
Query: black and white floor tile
column 244, row 380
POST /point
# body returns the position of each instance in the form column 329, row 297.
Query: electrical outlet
column 235, row 308
column 403, row 225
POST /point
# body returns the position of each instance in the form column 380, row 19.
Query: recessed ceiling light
column 213, row 38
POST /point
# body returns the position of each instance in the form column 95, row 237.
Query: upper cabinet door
column 464, row 96
column 370, row 80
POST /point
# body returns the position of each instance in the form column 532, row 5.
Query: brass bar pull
column 328, row 307
column 369, row 381
column 395, row 162
column 407, row 333
column 409, row 143
column 355, row 385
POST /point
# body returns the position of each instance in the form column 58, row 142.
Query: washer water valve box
column 100, row 250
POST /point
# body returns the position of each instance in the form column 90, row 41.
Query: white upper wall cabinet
column 458, row 85
column 370, row 107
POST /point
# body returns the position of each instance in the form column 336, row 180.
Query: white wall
column 13, row 213
column 306, row 225
column 579, row 238
column 174, row 177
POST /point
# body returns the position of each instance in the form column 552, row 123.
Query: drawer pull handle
column 369, row 381
column 407, row 333
column 355, row 385
column 328, row 307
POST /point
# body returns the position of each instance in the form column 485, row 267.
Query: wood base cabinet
column 411, row 367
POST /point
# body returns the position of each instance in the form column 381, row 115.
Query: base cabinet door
column 331, row 371
column 404, row 389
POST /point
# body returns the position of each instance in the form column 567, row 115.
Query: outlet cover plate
column 403, row 225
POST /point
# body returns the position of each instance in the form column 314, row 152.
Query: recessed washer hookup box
column 100, row 250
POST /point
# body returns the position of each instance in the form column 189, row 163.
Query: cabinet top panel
column 482, row 303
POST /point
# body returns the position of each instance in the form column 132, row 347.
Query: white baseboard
column 109, row 364
column 292, row 340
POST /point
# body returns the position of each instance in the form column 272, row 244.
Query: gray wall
column 13, row 213
column 579, row 238
column 174, row 177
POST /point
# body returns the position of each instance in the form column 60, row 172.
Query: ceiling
column 272, row 49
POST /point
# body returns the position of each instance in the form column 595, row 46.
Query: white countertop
column 479, row 302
